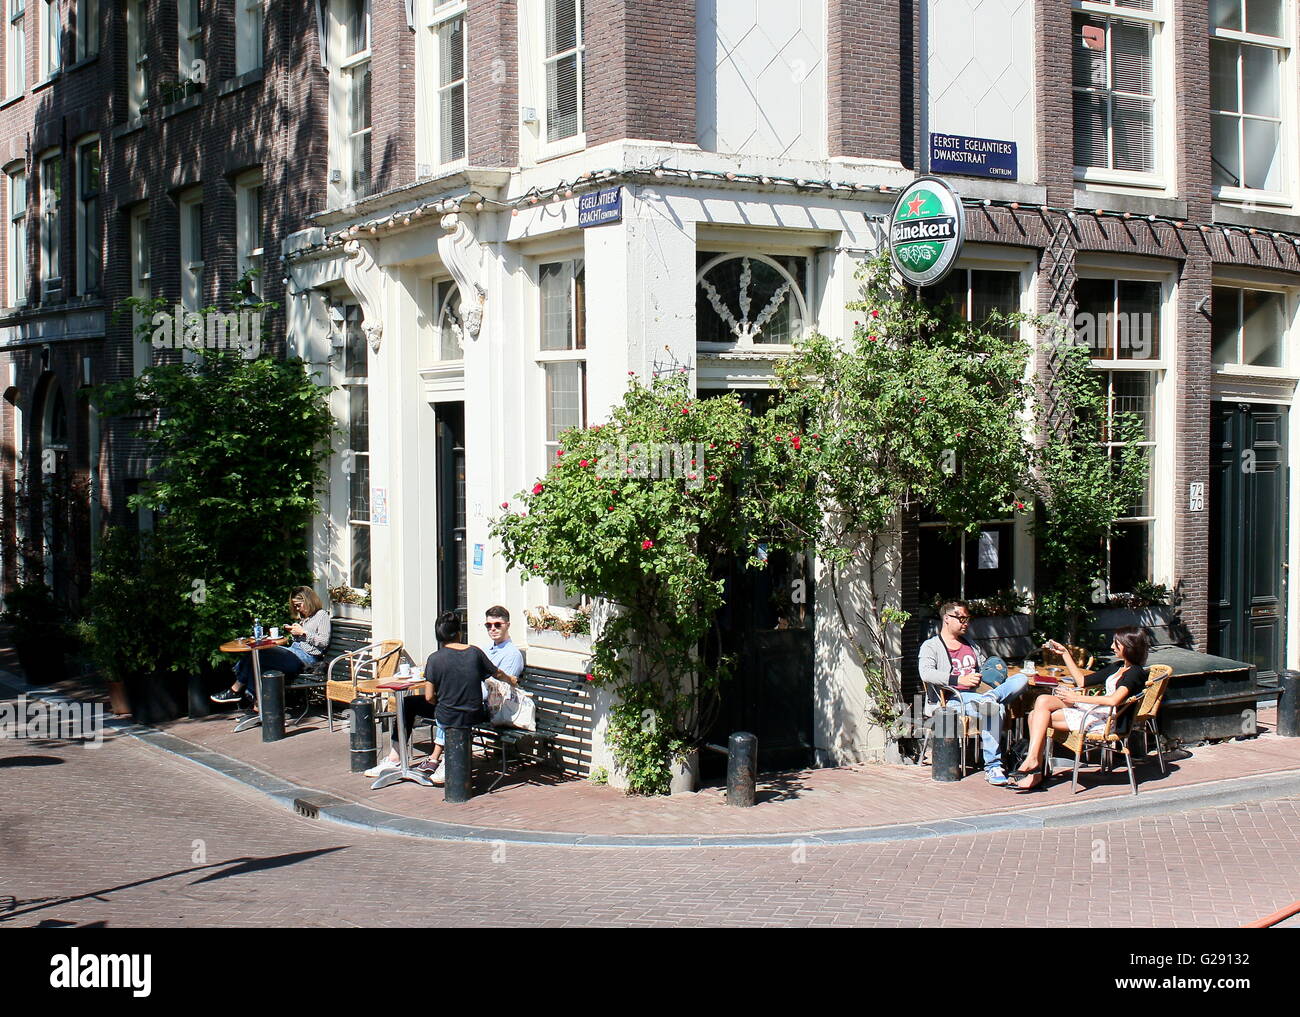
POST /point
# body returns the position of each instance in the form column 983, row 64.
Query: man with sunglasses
column 503, row 653
column 952, row 660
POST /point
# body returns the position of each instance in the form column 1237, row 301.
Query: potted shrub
column 40, row 632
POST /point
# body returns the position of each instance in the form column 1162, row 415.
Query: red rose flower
column 582, row 463
column 875, row 314
column 713, row 476
column 560, row 452
column 647, row 544
column 796, row 443
column 590, row 677
column 537, row 489
column 505, row 504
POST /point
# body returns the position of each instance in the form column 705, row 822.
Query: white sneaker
column 384, row 766
column 440, row 775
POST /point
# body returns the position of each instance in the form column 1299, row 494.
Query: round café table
column 245, row 644
column 401, row 688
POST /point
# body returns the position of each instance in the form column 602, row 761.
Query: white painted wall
column 977, row 73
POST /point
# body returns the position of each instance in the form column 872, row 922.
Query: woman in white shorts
column 1067, row 710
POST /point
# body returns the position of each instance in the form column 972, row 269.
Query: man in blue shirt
column 502, row 652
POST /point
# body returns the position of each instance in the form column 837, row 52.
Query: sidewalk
column 867, row 802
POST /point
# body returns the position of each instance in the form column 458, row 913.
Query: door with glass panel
column 1248, row 532
column 452, row 549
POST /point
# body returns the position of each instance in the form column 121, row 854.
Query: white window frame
column 578, row 50
column 250, row 35
column 344, row 69
column 15, row 48
column 1288, row 149
column 441, row 25
column 1241, row 281
column 137, row 59
column 1162, row 61
column 347, row 384
column 446, row 312
column 87, row 31
column 189, row 41
column 1161, row 478
column 141, row 257
column 88, row 220
column 191, row 237
column 51, row 58
column 16, row 201
column 533, row 59
column 51, row 225
column 250, row 226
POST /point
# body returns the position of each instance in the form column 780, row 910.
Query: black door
column 766, row 629
column 1248, row 532
column 452, row 550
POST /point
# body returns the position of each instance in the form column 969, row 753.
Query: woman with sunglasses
column 1067, row 710
column 310, row 630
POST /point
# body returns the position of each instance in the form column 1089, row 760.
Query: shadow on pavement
column 31, row 761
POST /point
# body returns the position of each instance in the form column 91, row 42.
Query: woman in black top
column 1066, row 711
column 453, row 680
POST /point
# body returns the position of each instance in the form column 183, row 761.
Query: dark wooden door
column 452, row 549
column 1248, row 534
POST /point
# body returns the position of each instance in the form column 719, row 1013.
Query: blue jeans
column 981, row 706
column 289, row 659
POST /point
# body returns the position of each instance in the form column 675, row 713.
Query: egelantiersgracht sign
column 926, row 230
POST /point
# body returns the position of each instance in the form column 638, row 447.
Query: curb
column 314, row 804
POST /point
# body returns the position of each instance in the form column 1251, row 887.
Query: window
column 1249, row 327
column 51, row 195
column 137, row 60
column 450, row 337
column 451, row 90
column 51, row 38
column 1115, row 105
column 87, row 32
column 90, row 250
column 189, row 32
column 973, row 565
column 141, row 286
column 562, row 62
column 248, row 202
column 16, row 220
column 1120, row 319
column 350, row 98
column 248, row 35
column 750, row 299
column 1247, row 55
column 192, row 250
column 562, row 289
column 357, row 464
column 16, row 48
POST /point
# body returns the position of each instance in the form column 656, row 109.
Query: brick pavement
column 111, row 835
column 807, row 801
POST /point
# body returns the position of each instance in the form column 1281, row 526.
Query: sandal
column 1023, row 780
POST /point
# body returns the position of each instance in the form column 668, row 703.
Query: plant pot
column 42, row 661
column 118, row 700
column 685, row 775
column 152, row 698
column 552, row 640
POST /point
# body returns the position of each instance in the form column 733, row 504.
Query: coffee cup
column 275, row 632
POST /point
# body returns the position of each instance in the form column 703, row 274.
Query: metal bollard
column 742, row 769
column 456, row 755
column 272, row 706
column 945, row 748
column 1288, row 704
column 361, row 736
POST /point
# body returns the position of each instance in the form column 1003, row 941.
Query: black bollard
column 945, row 749
column 456, row 755
column 1288, row 704
column 742, row 769
column 361, row 736
column 272, row 706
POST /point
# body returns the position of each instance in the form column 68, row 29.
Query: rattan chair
column 1081, row 657
column 1106, row 738
column 357, row 673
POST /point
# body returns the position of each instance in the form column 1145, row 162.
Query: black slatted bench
column 346, row 636
column 563, row 735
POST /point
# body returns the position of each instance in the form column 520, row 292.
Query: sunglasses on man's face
column 962, row 618
column 495, row 625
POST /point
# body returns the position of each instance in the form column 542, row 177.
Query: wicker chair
column 1081, row 657
column 1106, row 738
column 357, row 673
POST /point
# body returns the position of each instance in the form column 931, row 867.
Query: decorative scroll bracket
column 366, row 280
column 463, row 257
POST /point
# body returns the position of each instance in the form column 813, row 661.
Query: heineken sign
column 926, row 231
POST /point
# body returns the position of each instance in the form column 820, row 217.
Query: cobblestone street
column 126, row 836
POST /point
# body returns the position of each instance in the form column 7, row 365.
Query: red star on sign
column 914, row 206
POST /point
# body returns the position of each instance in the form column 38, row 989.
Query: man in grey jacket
column 953, row 661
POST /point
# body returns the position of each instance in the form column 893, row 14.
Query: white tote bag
column 511, row 706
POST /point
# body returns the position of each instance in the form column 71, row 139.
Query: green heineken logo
column 926, row 231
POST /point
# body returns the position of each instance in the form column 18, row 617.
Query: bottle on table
column 257, row 630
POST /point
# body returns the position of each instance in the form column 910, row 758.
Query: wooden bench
column 563, row 713
column 346, row 637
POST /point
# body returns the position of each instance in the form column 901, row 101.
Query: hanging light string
column 593, row 179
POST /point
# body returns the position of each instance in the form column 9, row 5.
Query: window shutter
column 562, row 72
column 1090, row 130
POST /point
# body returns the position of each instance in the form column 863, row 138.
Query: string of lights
column 594, row 179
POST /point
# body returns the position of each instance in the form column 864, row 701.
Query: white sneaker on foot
column 383, row 767
column 440, row 774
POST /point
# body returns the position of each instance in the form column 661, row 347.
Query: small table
column 402, row 687
column 245, row 644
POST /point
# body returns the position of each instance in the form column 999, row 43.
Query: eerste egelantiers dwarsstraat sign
column 926, row 231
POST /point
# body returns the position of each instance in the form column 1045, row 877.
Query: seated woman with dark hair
column 1066, row 711
column 310, row 630
column 453, row 695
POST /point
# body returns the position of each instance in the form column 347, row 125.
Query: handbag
column 516, row 709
